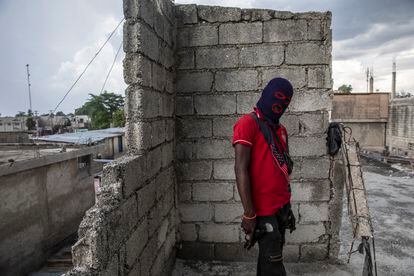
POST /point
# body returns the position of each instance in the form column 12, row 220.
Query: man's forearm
column 243, row 186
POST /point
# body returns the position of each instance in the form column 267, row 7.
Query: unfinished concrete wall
column 132, row 228
column 226, row 56
column 42, row 202
column 401, row 127
column 366, row 114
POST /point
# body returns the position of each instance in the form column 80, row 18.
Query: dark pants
column 270, row 261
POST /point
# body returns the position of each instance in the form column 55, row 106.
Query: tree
column 60, row 113
column 345, row 88
column 21, row 114
column 101, row 108
column 118, row 119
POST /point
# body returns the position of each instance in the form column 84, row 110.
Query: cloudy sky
column 58, row 39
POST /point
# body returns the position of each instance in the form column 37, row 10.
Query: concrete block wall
column 225, row 57
column 400, row 133
column 132, row 228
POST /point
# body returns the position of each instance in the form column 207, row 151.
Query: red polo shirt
column 269, row 186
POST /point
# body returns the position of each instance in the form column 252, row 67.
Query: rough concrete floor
column 391, row 202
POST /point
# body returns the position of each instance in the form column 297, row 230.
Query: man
column 262, row 170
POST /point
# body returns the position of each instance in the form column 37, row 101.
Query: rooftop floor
column 391, row 202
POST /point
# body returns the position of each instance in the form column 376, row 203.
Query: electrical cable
column 110, row 69
column 86, row 67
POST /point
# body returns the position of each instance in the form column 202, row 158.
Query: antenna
column 28, row 85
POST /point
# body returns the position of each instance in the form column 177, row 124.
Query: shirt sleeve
column 244, row 131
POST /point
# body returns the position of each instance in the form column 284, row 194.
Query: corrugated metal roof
column 83, row 138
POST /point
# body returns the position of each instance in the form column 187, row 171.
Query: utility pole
column 28, row 84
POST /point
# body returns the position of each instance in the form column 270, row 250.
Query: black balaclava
column 275, row 99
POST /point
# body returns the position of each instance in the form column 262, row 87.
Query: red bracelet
column 246, row 217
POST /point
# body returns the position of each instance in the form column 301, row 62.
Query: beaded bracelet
column 253, row 217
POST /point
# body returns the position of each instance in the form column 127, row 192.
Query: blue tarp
column 83, row 138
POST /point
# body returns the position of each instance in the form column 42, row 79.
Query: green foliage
column 21, row 114
column 30, row 123
column 101, row 108
column 345, row 88
column 118, row 118
column 60, row 113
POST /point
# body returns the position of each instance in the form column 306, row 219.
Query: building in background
column 9, row 124
column 400, row 139
column 366, row 114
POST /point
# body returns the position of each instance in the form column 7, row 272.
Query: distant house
column 8, row 124
column 80, row 122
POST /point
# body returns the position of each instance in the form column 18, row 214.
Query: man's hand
column 248, row 225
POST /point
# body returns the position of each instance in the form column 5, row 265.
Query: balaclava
column 275, row 99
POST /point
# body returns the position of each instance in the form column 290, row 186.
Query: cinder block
column 296, row 75
column 218, row 14
column 261, row 15
column 217, row 58
column 170, row 83
column 195, row 170
column 246, row 102
column 313, row 123
column 291, row 253
column 284, row 30
column 236, row 193
column 291, row 123
column 219, row 233
column 314, row 212
column 283, row 15
column 310, row 101
column 319, row 77
column 228, row 212
column 306, row 233
column 224, row 170
column 192, row 128
column 148, row 42
column 314, row 252
column 263, row 55
column 206, row 191
column 154, row 161
column 315, row 167
column 315, row 30
column 197, row 36
column 189, row 82
column 240, row 80
column 137, row 70
column 136, row 243
column 214, row 149
column 158, row 132
column 188, row 232
column 223, row 126
column 299, row 146
column 186, row 14
column 146, row 198
column 195, row 212
column 184, row 150
column 146, row 11
column 162, row 232
column 185, row 59
column 215, row 104
column 132, row 171
column 184, row 191
column 164, row 181
column 304, row 191
column 158, row 77
column 148, row 256
column 240, row 33
column 184, row 105
column 307, row 53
